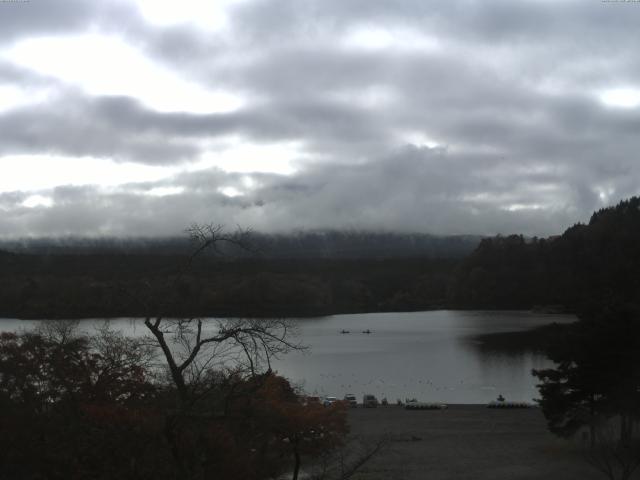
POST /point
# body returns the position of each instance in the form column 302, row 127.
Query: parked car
column 310, row 400
column 350, row 398
column 329, row 401
column 369, row 401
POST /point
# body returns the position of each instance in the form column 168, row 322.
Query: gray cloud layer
column 509, row 90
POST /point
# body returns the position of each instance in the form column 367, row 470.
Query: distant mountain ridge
column 303, row 245
column 322, row 273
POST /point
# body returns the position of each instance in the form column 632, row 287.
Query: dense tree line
column 585, row 264
column 588, row 264
column 327, row 244
column 70, row 286
column 594, row 388
column 307, row 274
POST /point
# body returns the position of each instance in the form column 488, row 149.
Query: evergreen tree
column 596, row 385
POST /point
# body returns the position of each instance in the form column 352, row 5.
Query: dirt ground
column 467, row 442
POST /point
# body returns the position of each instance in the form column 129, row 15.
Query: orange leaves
column 311, row 426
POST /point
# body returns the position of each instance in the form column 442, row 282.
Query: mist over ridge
column 307, row 244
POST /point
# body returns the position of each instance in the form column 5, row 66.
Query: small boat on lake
column 344, row 331
column 366, row 331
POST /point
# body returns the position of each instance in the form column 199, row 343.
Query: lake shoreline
column 429, row 355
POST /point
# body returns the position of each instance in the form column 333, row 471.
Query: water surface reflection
column 434, row 356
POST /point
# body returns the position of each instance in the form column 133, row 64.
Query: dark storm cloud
column 10, row 200
column 488, row 20
column 123, row 129
column 40, row 18
column 509, row 90
column 12, row 74
column 73, row 125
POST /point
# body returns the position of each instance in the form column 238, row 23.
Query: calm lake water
column 432, row 356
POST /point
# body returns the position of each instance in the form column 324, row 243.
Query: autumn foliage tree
column 297, row 428
column 55, row 396
column 89, row 407
column 193, row 399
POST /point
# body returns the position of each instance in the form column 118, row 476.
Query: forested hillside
column 311, row 273
column 587, row 264
column 47, row 286
column 329, row 244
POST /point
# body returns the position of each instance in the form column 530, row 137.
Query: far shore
column 277, row 313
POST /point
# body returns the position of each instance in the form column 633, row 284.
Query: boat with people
column 500, row 402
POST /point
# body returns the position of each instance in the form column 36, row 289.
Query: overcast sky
column 481, row 117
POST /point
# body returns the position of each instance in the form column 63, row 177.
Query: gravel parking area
column 467, row 442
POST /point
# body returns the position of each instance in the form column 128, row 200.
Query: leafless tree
column 211, row 237
column 193, row 346
column 58, row 331
column 202, row 355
